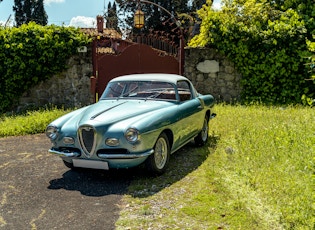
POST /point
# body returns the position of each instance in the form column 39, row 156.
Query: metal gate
column 145, row 54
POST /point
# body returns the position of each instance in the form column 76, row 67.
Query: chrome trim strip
column 63, row 154
column 125, row 156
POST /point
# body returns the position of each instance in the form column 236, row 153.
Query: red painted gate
column 116, row 57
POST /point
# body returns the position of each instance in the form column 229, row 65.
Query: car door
column 190, row 112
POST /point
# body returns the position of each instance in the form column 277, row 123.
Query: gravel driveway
column 38, row 192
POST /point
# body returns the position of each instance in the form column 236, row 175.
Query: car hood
column 107, row 112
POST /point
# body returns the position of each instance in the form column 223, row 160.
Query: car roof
column 164, row 77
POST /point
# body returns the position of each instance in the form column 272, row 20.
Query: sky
column 78, row 13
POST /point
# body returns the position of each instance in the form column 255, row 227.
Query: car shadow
column 91, row 182
column 136, row 182
column 182, row 163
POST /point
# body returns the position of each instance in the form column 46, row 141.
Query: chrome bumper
column 103, row 156
column 64, row 154
column 125, row 156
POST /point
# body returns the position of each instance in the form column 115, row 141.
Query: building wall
column 209, row 71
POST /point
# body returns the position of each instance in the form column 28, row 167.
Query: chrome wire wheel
column 158, row 161
column 160, row 153
column 204, row 131
column 202, row 138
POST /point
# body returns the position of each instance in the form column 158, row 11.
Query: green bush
column 31, row 54
column 266, row 42
column 310, row 99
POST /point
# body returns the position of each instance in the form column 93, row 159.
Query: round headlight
column 132, row 135
column 52, row 132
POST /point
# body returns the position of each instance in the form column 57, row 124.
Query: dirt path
column 38, row 192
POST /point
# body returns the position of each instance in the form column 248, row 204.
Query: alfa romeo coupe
column 139, row 119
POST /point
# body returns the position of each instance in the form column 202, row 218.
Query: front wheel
column 158, row 161
column 202, row 137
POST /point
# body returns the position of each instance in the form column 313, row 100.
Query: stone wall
column 209, row 71
column 70, row 88
column 212, row 73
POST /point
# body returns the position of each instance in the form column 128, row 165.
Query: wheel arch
column 208, row 114
column 170, row 136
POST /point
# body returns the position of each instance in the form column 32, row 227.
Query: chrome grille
column 87, row 140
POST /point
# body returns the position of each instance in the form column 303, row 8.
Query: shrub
column 31, row 54
column 267, row 44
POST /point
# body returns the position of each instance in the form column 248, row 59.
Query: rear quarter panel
column 207, row 99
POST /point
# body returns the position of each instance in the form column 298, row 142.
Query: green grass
column 29, row 123
column 257, row 172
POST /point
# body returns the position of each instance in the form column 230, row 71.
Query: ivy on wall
column 266, row 43
column 33, row 53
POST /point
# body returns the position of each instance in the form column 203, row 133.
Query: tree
column 39, row 13
column 30, row 10
column 267, row 43
column 19, row 12
column 111, row 17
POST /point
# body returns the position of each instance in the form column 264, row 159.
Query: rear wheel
column 158, row 161
column 202, row 137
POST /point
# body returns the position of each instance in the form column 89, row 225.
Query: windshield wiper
column 128, row 93
column 156, row 94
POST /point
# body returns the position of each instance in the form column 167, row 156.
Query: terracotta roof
column 108, row 33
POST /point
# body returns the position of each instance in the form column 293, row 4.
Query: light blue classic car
column 140, row 118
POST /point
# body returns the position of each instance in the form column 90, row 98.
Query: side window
column 183, row 90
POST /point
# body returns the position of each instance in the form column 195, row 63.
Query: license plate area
column 90, row 164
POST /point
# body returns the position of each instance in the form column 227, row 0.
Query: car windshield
column 140, row 90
